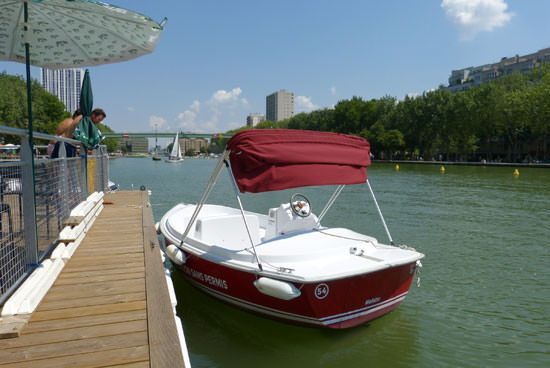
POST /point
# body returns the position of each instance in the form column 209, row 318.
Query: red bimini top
column 263, row 160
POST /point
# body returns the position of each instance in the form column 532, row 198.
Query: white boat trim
column 325, row 321
column 367, row 308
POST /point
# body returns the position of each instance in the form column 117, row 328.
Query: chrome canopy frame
column 224, row 161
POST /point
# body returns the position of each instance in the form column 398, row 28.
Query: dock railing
column 36, row 195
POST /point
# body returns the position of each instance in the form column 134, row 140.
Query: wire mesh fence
column 12, row 241
column 30, row 220
column 101, row 169
column 58, row 189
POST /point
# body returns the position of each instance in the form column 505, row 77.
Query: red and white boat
column 285, row 264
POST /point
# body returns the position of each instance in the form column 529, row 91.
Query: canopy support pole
column 236, row 188
column 380, row 213
column 205, row 194
column 330, row 202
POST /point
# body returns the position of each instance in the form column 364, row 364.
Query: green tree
column 110, row 143
column 512, row 113
column 48, row 111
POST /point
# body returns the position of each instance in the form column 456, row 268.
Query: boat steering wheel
column 300, row 205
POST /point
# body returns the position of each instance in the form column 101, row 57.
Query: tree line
column 47, row 110
column 507, row 119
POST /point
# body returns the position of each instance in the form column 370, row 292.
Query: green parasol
column 87, row 132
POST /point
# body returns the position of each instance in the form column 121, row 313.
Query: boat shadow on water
column 222, row 335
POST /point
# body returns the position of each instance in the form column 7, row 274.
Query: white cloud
column 222, row 96
column 187, row 118
column 214, row 114
column 130, row 108
column 474, row 16
column 333, row 91
column 304, row 104
column 157, row 121
column 195, row 106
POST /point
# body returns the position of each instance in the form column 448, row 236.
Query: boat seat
column 228, row 231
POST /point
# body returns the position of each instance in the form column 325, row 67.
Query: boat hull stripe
column 325, row 321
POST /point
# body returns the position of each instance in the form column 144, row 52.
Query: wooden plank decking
column 110, row 305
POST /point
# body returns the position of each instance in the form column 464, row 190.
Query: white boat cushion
column 228, row 231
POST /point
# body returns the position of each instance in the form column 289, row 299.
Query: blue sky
column 217, row 60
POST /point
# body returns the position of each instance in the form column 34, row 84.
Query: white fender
column 41, row 288
column 58, row 251
column 276, row 288
column 11, row 306
column 175, row 254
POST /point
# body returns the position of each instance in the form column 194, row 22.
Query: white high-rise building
column 65, row 84
column 279, row 105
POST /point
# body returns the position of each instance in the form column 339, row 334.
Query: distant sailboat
column 175, row 154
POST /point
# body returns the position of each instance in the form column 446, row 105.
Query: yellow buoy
column 516, row 173
column 442, row 169
column 397, row 167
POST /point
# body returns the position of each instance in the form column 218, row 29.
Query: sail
column 176, row 152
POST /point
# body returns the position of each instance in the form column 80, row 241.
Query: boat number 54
column 321, row 291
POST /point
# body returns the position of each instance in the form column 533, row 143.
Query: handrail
column 23, row 132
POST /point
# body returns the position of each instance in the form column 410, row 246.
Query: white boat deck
column 312, row 253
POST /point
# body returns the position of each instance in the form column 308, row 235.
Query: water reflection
column 220, row 335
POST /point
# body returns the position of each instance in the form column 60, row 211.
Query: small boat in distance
column 175, row 154
column 285, row 264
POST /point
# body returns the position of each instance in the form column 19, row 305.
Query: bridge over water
column 167, row 135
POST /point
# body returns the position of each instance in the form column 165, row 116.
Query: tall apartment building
column 463, row 79
column 279, row 105
column 65, row 84
column 254, row 119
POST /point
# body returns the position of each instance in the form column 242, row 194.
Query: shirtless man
column 65, row 129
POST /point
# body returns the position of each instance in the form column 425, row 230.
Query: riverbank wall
column 454, row 163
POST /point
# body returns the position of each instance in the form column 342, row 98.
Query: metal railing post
column 84, row 167
column 29, row 204
column 108, row 170
column 105, row 167
column 63, row 179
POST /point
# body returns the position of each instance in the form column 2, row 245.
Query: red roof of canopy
column 263, row 160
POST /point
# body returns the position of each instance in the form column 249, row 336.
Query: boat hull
column 337, row 304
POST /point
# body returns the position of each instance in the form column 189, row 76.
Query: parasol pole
column 28, row 69
column 30, row 205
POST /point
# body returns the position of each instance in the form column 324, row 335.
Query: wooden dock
column 110, row 306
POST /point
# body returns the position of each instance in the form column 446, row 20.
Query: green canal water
column 484, row 299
